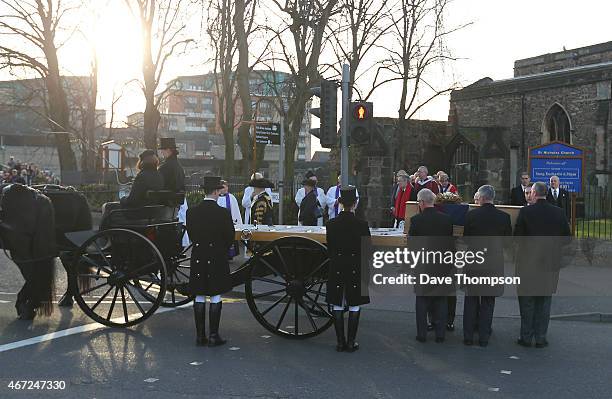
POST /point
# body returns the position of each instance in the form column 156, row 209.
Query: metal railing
column 594, row 213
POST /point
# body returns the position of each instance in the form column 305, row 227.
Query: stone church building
column 564, row 96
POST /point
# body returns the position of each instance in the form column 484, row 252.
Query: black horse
column 27, row 231
column 72, row 213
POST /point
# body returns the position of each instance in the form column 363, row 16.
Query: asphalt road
column 158, row 358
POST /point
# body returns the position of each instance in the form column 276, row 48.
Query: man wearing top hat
column 346, row 286
column 333, row 203
column 210, row 273
column 321, row 197
column 174, row 176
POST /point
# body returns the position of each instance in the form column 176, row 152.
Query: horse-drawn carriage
column 121, row 274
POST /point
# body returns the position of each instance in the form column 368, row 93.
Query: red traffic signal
column 361, row 111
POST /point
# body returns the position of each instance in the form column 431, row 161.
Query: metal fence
column 594, row 213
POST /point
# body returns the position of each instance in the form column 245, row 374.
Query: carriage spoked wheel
column 177, row 282
column 285, row 288
column 177, row 276
column 120, row 277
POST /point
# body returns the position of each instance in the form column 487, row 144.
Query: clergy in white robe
column 229, row 201
column 332, row 200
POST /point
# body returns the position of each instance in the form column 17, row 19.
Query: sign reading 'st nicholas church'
column 557, row 159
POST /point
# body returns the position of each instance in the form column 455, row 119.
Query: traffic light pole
column 281, row 171
column 344, row 157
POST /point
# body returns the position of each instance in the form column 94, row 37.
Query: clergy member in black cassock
column 309, row 207
column 435, row 233
column 28, row 233
column 484, row 221
column 346, row 285
column 211, row 230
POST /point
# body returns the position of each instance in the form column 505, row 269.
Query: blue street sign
column 557, row 159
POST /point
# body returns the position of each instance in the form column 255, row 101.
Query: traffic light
column 360, row 122
column 327, row 113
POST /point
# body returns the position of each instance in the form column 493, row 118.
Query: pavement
column 158, row 358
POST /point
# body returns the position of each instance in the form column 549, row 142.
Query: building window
column 557, row 125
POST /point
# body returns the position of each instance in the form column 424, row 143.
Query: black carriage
column 136, row 263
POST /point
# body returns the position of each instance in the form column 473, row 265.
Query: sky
column 501, row 31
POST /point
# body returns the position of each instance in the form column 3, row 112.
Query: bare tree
column 300, row 40
column 362, row 24
column 163, row 33
column 29, row 41
column 417, row 47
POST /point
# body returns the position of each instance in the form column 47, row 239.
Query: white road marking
column 73, row 330
column 508, row 372
column 87, row 328
column 1, row 301
column 8, row 293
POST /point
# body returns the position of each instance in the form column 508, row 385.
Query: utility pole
column 281, row 169
column 344, row 157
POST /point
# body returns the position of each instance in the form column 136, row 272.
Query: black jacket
column 308, row 209
column 148, row 179
column 211, row 230
column 173, row 175
column 517, row 196
column 486, row 227
column 432, row 231
column 562, row 201
column 347, row 250
column 542, row 231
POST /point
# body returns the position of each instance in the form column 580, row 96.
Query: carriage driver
column 346, row 246
column 211, row 230
column 174, row 176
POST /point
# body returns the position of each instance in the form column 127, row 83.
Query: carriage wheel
column 120, row 277
column 177, row 282
column 285, row 288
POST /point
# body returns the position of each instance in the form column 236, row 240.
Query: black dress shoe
column 439, row 340
column 421, row 339
column 483, row 344
column 541, row 345
column 524, row 343
column 430, row 327
column 468, row 342
column 450, row 327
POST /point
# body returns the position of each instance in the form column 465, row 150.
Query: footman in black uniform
column 211, row 230
column 346, row 285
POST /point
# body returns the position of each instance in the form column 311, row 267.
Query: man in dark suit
column 517, row 195
column 558, row 196
column 542, row 230
column 436, row 234
column 211, row 230
column 485, row 221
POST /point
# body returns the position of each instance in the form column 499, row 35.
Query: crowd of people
column 26, row 173
column 543, row 213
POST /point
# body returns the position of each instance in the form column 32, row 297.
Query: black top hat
column 261, row 183
column 167, row 143
column 211, row 183
column 146, row 153
column 348, row 195
column 309, row 182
